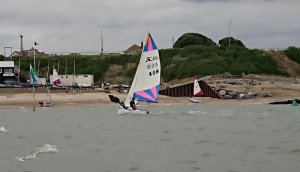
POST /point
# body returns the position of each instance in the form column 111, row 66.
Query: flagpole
column 33, row 83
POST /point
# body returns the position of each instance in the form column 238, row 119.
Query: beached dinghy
column 197, row 92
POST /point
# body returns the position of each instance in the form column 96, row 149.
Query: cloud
column 204, row 1
column 74, row 25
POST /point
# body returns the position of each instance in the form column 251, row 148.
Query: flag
column 33, row 77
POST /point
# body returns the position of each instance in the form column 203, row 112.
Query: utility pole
column 21, row 44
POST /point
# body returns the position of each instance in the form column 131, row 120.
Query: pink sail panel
column 199, row 94
column 149, row 95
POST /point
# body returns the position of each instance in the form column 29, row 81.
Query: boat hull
column 195, row 100
column 46, row 103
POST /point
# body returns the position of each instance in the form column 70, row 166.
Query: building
column 134, row 49
column 28, row 53
column 85, row 80
column 8, row 71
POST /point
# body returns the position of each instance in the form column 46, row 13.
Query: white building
column 80, row 79
column 8, row 71
column 42, row 81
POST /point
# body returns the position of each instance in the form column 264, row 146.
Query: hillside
column 291, row 67
column 178, row 63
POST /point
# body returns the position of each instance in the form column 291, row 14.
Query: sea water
column 175, row 138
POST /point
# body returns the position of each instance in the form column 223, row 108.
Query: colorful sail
column 149, row 44
column 197, row 90
column 145, row 85
column 33, row 76
column 56, row 80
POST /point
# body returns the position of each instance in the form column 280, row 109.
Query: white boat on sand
column 197, row 92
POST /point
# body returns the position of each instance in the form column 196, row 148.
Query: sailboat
column 145, row 85
column 55, row 80
column 197, row 92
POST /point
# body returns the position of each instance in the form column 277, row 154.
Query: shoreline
column 94, row 99
column 280, row 89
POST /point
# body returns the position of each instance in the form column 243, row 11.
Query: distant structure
column 21, row 44
column 85, row 80
column 8, row 72
column 28, row 53
column 134, row 49
column 101, row 43
column 186, row 90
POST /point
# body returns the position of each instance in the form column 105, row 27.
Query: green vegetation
column 96, row 65
column 176, row 63
column 202, row 61
column 189, row 39
column 233, row 42
column 293, row 53
column 198, row 57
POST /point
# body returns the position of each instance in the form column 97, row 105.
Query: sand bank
column 22, row 97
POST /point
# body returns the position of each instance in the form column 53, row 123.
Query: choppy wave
column 199, row 112
column 44, row 149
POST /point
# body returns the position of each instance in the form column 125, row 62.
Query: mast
column 66, row 67
column 58, row 67
column 101, row 43
column 19, row 70
column 48, row 72
column 38, row 72
column 33, row 94
column 73, row 79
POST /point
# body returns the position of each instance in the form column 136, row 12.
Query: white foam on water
column 199, row 112
column 44, row 149
column 3, row 130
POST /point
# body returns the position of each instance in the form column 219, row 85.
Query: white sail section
column 145, row 85
column 55, row 79
column 197, row 89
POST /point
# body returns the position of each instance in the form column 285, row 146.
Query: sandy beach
column 283, row 89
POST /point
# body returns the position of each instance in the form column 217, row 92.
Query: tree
column 189, row 39
column 235, row 42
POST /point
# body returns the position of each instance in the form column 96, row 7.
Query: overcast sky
column 74, row 25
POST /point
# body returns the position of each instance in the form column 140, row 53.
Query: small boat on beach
column 197, row 92
column 293, row 102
